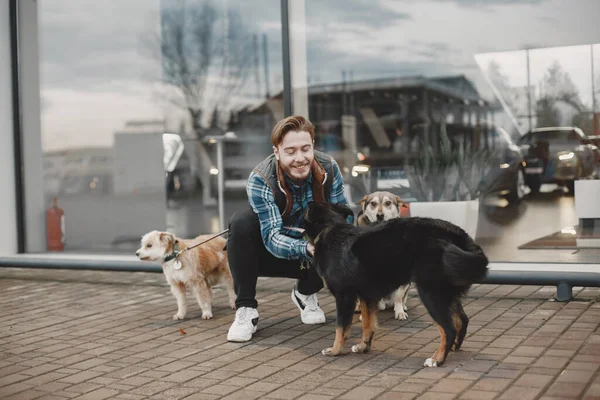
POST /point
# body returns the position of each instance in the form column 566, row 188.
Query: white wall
column 8, row 221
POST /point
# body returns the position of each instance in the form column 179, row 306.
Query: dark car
column 595, row 140
column 559, row 155
column 506, row 173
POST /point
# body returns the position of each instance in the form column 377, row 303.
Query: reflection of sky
column 97, row 70
column 576, row 61
column 95, row 73
column 440, row 37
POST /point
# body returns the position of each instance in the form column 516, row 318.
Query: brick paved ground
column 96, row 335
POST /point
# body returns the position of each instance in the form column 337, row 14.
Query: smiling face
column 295, row 154
column 155, row 245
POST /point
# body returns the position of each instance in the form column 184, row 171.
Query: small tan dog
column 377, row 207
column 200, row 268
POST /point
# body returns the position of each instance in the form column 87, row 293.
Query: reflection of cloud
column 441, row 36
column 548, row 20
column 85, row 43
column 487, row 3
column 365, row 13
column 91, row 119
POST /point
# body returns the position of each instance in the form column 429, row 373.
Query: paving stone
column 120, row 342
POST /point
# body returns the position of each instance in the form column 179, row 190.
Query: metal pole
column 593, row 83
column 286, row 58
column 564, row 281
column 220, row 183
column 528, row 92
column 266, row 65
column 17, row 125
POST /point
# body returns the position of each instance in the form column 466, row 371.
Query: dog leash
column 176, row 252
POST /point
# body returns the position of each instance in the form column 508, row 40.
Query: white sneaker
column 244, row 325
column 310, row 312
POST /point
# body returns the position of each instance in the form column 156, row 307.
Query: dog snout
column 137, row 253
column 379, row 217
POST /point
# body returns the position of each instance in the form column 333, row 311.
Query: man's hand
column 310, row 249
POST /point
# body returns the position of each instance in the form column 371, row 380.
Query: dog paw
column 329, row 352
column 178, row 316
column 404, row 307
column 207, row 315
column 401, row 315
column 360, row 348
column 430, row 362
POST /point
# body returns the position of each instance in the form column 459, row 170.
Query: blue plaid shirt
column 280, row 241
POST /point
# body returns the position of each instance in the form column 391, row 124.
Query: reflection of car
column 506, row 174
column 558, row 155
column 179, row 178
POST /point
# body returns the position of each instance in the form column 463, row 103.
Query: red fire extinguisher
column 55, row 227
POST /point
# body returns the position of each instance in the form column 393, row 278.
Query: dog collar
column 318, row 237
column 173, row 255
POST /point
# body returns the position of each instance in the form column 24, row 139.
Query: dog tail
column 464, row 267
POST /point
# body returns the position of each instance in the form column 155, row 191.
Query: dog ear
column 400, row 203
column 344, row 209
column 361, row 201
column 166, row 237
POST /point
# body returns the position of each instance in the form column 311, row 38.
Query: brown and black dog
column 377, row 207
column 368, row 263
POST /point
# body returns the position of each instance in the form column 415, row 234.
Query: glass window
column 447, row 101
column 133, row 94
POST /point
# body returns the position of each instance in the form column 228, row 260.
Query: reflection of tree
column 584, row 121
column 205, row 51
column 547, row 114
column 205, row 57
column 558, row 88
column 507, row 96
column 500, row 81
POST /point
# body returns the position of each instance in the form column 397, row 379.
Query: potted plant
column 448, row 184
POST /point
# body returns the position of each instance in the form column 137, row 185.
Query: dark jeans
column 249, row 259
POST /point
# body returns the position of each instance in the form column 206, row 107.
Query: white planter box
column 587, row 193
column 462, row 213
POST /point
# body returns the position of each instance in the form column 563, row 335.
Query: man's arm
column 338, row 194
column 262, row 201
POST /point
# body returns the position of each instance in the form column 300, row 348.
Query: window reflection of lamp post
column 218, row 140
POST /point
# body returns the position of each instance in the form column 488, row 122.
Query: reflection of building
column 384, row 120
column 252, row 125
column 397, row 116
column 78, row 171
